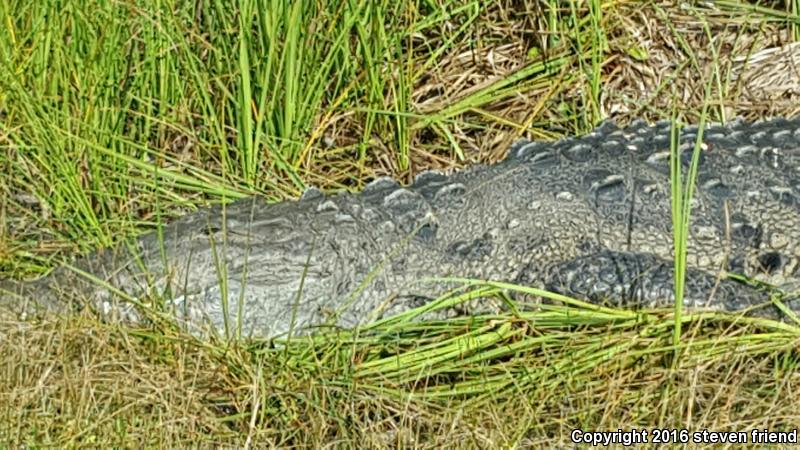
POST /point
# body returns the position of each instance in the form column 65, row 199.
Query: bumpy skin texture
column 588, row 216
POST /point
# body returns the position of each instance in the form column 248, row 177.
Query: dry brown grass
column 75, row 382
column 660, row 56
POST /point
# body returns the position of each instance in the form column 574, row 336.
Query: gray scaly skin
column 587, row 216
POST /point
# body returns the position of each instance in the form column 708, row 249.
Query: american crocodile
column 586, row 216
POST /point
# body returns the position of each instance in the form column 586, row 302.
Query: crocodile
column 586, row 216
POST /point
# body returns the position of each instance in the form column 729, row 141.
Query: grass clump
column 112, row 119
column 495, row 380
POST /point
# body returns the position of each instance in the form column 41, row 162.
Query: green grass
column 118, row 116
column 511, row 380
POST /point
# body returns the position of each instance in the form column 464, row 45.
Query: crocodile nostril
column 771, row 262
